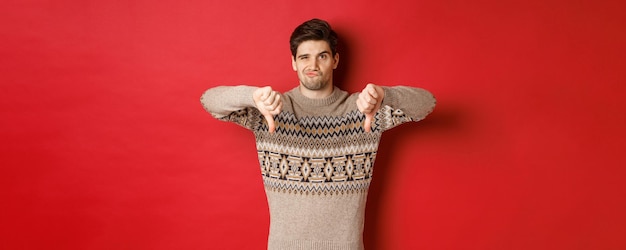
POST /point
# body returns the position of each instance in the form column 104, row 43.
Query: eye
column 323, row 56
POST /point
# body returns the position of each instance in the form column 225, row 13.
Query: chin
column 313, row 86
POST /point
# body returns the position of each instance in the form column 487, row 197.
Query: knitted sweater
column 318, row 164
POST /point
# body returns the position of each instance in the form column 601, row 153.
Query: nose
column 314, row 63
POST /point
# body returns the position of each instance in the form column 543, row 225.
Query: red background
column 105, row 144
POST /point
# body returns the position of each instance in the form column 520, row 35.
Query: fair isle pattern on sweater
column 319, row 155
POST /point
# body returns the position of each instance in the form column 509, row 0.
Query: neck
column 317, row 94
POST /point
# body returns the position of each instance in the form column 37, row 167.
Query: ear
column 293, row 63
column 336, row 61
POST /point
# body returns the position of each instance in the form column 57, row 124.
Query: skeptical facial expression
column 314, row 64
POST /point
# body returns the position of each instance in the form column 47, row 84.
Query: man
column 316, row 143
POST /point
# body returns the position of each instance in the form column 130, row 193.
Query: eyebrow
column 323, row 52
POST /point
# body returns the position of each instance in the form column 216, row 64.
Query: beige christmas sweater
column 318, row 165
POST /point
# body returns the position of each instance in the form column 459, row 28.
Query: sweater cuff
column 390, row 98
column 245, row 95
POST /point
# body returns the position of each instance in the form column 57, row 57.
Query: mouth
column 311, row 74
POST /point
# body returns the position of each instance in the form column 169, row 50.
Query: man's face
column 315, row 63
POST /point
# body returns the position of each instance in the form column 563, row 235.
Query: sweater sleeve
column 403, row 104
column 232, row 103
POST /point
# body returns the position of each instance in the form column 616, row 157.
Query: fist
column 369, row 102
column 269, row 103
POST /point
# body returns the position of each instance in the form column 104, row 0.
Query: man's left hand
column 369, row 102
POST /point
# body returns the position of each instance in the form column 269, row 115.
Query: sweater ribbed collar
column 300, row 98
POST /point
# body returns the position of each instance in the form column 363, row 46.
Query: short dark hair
column 316, row 30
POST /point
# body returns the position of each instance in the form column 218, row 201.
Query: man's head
column 314, row 57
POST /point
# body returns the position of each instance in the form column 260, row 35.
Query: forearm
column 222, row 100
column 417, row 103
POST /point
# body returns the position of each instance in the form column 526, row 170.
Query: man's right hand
column 269, row 103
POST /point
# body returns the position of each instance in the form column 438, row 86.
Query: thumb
column 368, row 122
column 270, row 122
